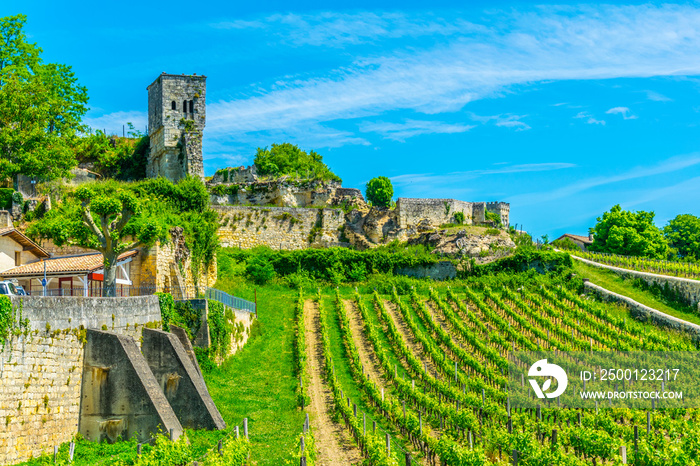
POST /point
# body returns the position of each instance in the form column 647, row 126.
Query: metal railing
column 124, row 291
column 230, row 301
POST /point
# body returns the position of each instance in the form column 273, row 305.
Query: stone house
column 75, row 271
column 581, row 241
column 17, row 249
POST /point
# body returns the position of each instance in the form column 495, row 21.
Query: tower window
column 173, row 105
column 191, row 106
column 184, row 106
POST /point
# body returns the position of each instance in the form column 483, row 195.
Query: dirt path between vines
column 364, row 346
column 413, row 344
column 334, row 445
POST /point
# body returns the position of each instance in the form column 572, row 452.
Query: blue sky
column 561, row 109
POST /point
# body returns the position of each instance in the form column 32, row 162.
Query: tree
column 288, row 159
column 41, row 106
column 628, row 233
column 683, row 234
column 379, row 191
column 102, row 217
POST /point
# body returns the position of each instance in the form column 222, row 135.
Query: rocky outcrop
column 482, row 246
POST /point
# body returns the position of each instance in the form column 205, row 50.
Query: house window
column 191, row 106
column 173, row 105
column 184, row 106
column 18, row 258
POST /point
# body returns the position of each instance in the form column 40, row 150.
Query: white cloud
column 547, row 43
column 409, row 128
column 656, row 97
column 113, row 122
column 667, row 166
column 428, row 180
column 589, row 118
column 336, row 29
column 505, row 121
column 624, row 111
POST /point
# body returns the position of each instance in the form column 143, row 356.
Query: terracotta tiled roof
column 21, row 238
column 583, row 239
column 83, row 263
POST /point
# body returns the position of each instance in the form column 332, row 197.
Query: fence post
column 623, row 454
column 245, row 428
column 388, row 445
column 71, row 450
column 515, row 457
column 408, row 459
column 221, row 453
column 255, row 291
column 55, row 453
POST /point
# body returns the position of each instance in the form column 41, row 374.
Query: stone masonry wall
column 169, row 98
column 40, row 377
column 688, row 289
column 41, row 369
column 279, row 227
column 437, row 211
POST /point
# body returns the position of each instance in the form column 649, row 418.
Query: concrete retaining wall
column 180, row 381
column 120, row 395
column 688, row 289
column 645, row 313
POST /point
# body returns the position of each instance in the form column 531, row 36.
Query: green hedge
column 539, row 260
column 334, row 263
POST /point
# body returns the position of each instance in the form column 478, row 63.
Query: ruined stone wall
column 502, row 209
column 411, row 212
column 164, row 267
column 41, row 369
column 279, row 227
column 282, row 193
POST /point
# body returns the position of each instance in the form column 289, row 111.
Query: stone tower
column 176, row 118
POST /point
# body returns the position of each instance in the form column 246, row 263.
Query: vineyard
column 643, row 264
column 422, row 377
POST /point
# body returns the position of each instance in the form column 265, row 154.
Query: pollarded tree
column 104, row 218
column 629, row 233
column 379, row 191
column 683, row 234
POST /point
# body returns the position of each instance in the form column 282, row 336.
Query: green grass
column 258, row 381
column 613, row 282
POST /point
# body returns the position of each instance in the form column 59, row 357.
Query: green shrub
column 186, row 316
column 219, row 329
column 459, row 218
column 167, row 305
column 6, row 198
column 260, row 270
column 493, row 217
column 6, row 319
column 379, row 191
column 566, row 244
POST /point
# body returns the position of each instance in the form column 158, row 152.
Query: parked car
column 21, row 291
column 9, row 288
